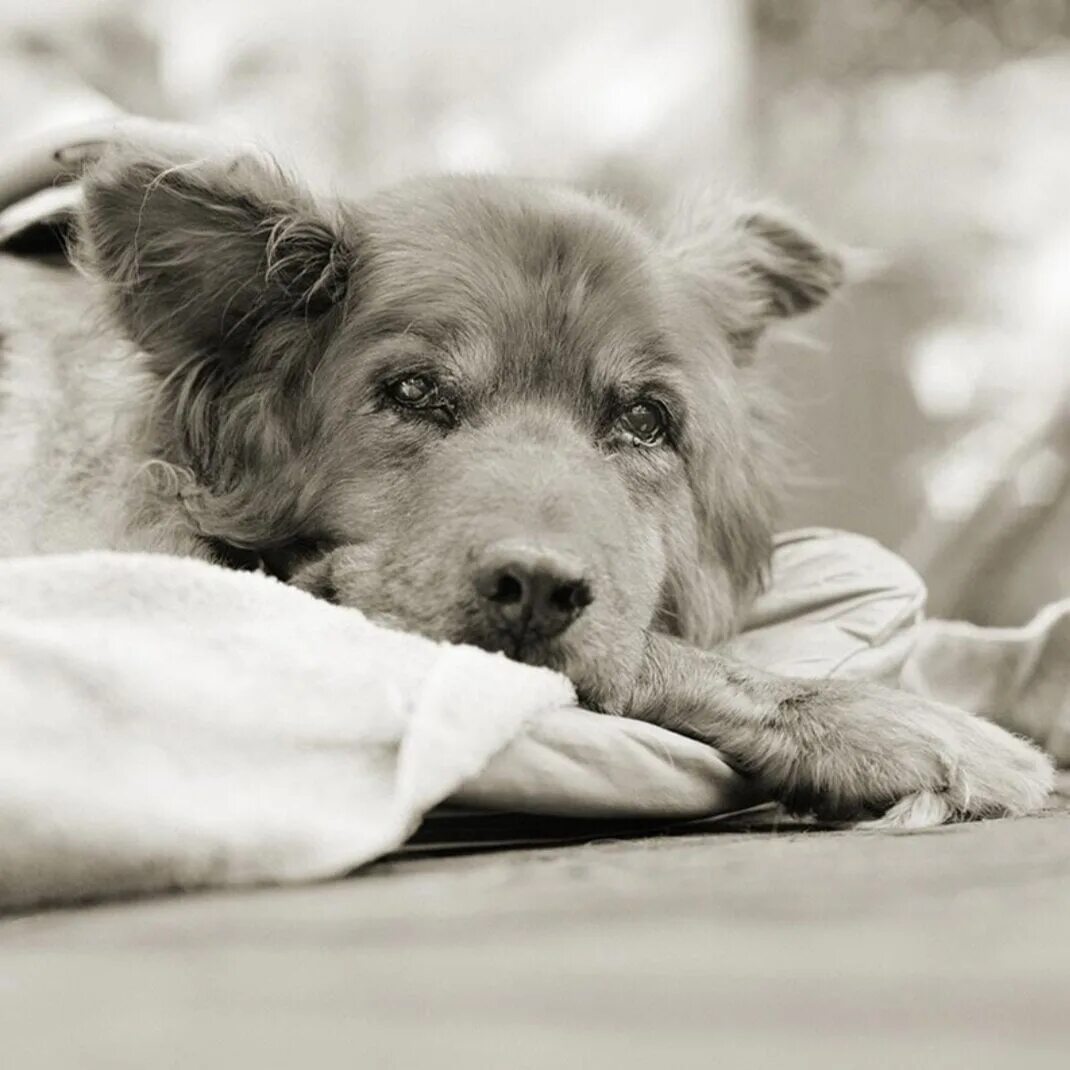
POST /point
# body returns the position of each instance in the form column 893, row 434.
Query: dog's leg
column 841, row 748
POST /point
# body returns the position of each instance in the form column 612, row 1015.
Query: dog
column 489, row 410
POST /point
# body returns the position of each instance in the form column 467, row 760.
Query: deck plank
column 945, row 948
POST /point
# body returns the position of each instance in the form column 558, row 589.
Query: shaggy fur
column 244, row 406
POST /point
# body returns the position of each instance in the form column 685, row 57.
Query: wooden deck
column 803, row 948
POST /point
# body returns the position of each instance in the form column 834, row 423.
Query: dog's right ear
column 750, row 266
column 201, row 256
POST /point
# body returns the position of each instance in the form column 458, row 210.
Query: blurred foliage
column 848, row 40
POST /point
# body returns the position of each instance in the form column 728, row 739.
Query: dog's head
column 491, row 411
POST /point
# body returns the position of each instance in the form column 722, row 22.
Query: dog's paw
column 923, row 810
column 911, row 762
column 838, row 748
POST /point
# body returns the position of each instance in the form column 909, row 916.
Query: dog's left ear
column 232, row 280
column 200, row 257
column 752, row 267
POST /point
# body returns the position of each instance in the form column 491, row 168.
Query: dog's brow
column 437, row 333
column 663, row 390
column 655, row 352
column 650, row 361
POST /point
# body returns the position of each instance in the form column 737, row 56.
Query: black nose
column 531, row 591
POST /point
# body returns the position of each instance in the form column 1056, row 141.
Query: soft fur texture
column 255, row 417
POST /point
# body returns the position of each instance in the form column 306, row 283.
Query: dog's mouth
column 529, row 650
column 307, row 563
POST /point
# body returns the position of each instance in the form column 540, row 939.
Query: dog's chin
column 602, row 667
column 546, row 653
column 599, row 657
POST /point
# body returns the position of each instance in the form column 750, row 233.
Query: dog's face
column 490, row 411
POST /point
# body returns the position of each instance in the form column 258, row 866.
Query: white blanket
column 166, row 723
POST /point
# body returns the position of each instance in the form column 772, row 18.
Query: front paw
column 839, row 748
column 865, row 751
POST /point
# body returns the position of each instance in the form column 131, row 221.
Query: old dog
column 489, row 410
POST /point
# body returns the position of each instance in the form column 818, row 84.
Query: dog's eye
column 414, row 391
column 644, row 422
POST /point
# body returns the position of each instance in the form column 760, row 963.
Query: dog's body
column 73, row 401
column 487, row 410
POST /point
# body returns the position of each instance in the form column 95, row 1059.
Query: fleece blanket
column 168, row 724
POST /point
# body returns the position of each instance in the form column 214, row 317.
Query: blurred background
column 929, row 405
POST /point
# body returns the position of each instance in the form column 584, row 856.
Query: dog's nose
column 531, row 591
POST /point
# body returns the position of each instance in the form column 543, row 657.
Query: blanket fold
column 165, row 723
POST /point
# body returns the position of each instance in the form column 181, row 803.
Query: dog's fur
column 220, row 382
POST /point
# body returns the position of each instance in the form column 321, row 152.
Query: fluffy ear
column 226, row 274
column 201, row 256
column 793, row 270
column 752, row 267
